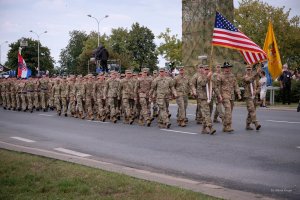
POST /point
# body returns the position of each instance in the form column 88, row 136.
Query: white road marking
column 298, row 147
column 179, row 131
column 46, row 115
column 191, row 114
column 283, row 122
column 72, row 152
column 22, row 139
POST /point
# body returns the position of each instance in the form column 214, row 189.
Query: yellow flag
column 271, row 48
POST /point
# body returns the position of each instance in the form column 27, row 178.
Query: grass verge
column 24, row 176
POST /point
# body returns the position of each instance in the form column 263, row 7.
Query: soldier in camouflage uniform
column 141, row 90
column 193, row 84
column 182, row 87
column 216, row 80
column 162, row 86
column 44, row 93
column 7, row 93
column 23, row 89
column 29, row 94
column 136, row 105
column 228, row 86
column 98, row 91
column 80, row 95
column 72, row 95
column 250, row 91
column 13, row 92
column 51, row 96
column 89, row 95
column 18, row 95
column 154, row 104
column 36, row 101
column 111, row 93
column 3, row 93
column 202, row 83
column 127, row 92
column 64, row 95
column 56, row 91
column 1, row 101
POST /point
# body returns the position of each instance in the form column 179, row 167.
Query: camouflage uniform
column 142, row 89
column 72, row 95
column 18, row 95
column 154, row 104
column 162, row 86
column 44, row 93
column 64, row 94
column 218, row 111
column 51, row 96
column 202, row 83
column 111, row 93
column 193, row 83
column 36, row 103
column 3, row 93
column 98, row 91
column 80, row 95
column 29, row 94
column 182, row 86
column 249, row 81
column 13, row 93
column 56, row 91
column 127, row 92
column 7, row 93
column 228, row 85
column 23, row 89
column 88, row 96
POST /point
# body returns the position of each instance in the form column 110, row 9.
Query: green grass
column 24, row 176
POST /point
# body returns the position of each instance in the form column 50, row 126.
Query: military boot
column 257, row 126
column 248, row 127
column 205, row 130
column 212, row 130
column 148, row 123
column 216, row 120
column 182, row 123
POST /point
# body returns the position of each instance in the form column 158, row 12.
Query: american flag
column 227, row 35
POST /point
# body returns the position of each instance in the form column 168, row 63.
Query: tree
column 252, row 18
column 142, row 47
column 171, row 48
column 69, row 56
column 30, row 55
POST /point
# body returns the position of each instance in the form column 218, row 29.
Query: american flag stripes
column 227, row 35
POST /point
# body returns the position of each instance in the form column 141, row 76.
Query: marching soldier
column 202, row 93
column 142, row 89
column 193, row 84
column 29, row 94
column 127, row 92
column 162, row 86
column 250, row 92
column 18, row 95
column 56, row 91
column 44, row 93
column 88, row 96
column 228, row 87
column 216, row 80
column 13, row 92
column 7, row 93
column 23, row 89
column 36, row 102
column 98, row 91
column 51, row 96
column 72, row 95
column 64, row 94
column 111, row 93
column 182, row 87
column 154, row 104
column 80, row 95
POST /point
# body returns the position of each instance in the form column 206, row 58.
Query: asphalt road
column 265, row 162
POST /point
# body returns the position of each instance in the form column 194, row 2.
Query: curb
column 196, row 186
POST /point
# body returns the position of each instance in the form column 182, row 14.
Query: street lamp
column 38, row 35
column 0, row 49
column 98, row 22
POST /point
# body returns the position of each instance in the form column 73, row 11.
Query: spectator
column 102, row 55
column 285, row 84
column 263, row 88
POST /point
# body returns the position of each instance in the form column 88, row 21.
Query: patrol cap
column 145, row 70
column 162, row 70
column 226, row 65
column 180, row 68
column 206, row 67
column 135, row 74
column 154, row 71
column 248, row 67
column 128, row 71
column 200, row 66
column 122, row 75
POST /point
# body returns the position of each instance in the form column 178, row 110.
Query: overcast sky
column 58, row 17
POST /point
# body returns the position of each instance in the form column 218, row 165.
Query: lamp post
column 98, row 22
column 38, row 35
column 0, row 49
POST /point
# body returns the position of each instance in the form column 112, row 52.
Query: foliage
column 171, row 48
column 142, row 47
column 252, row 18
column 69, row 56
column 30, row 55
